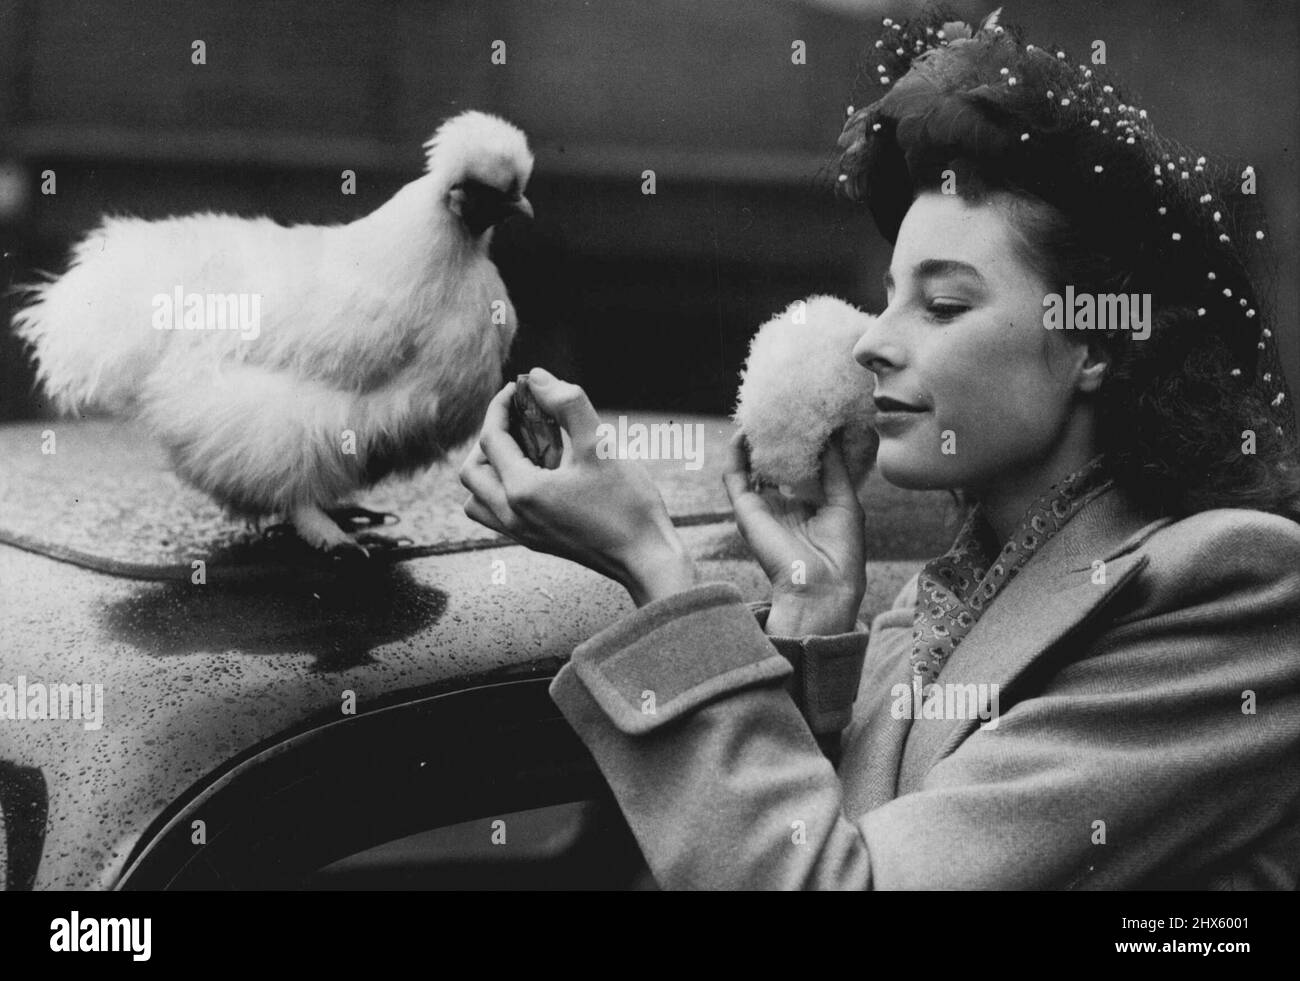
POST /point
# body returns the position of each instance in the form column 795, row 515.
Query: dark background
column 647, row 301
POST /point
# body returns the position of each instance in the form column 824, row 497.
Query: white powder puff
column 799, row 385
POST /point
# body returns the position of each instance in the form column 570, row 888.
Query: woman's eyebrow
column 934, row 268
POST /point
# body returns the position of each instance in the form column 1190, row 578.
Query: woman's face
column 962, row 339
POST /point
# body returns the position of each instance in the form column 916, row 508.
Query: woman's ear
column 1092, row 368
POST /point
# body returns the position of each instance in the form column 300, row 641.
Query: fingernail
column 540, row 376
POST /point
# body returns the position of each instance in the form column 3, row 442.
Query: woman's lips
column 893, row 420
column 893, row 414
column 887, row 403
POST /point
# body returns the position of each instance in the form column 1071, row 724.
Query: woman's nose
column 874, row 351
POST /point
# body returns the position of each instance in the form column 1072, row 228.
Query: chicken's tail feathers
column 74, row 374
column 23, row 291
column 87, row 353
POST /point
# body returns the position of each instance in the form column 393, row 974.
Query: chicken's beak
column 520, row 206
column 482, row 207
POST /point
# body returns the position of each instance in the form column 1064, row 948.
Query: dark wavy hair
column 1102, row 203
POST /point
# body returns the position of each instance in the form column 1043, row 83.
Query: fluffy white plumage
column 800, row 384
column 392, row 328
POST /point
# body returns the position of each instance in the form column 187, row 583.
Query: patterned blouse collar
column 955, row 588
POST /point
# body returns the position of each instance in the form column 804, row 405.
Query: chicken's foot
column 347, row 516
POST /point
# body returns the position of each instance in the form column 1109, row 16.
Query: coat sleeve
column 1146, row 731
column 824, row 676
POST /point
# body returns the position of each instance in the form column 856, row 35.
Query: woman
column 1098, row 686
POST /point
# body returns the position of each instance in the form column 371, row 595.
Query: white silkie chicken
column 286, row 368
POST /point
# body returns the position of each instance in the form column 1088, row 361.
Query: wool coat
column 1146, row 732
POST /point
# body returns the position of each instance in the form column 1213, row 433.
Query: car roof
column 194, row 675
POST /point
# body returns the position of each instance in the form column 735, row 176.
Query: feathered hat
column 1066, row 134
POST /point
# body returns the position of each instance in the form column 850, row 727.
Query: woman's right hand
column 813, row 553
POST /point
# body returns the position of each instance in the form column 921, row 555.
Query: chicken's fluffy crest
column 479, row 145
column 799, row 385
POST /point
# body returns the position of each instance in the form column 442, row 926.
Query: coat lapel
column 1055, row 594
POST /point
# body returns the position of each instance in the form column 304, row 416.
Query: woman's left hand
column 605, row 514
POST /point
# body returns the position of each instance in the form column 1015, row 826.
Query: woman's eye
column 945, row 309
